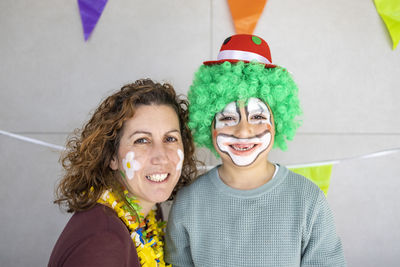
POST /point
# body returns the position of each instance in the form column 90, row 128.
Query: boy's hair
column 215, row 86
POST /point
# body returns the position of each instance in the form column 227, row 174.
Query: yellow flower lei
column 149, row 246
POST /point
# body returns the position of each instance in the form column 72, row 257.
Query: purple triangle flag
column 90, row 13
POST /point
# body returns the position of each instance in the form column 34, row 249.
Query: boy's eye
column 227, row 118
column 258, row 117
column 141, row 141
column 223, row 120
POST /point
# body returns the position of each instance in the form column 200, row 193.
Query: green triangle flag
column 320, row 175
column 389, row 10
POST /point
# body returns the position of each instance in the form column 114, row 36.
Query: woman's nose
column 158, row 154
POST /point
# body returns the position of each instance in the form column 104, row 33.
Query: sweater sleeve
column 177, row 245
column 321, row 245
column 102, row 249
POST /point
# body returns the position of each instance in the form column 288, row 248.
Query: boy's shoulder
column 200, row 185
column 300, row 186
column 204, row 180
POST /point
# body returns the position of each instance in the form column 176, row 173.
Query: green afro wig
column 215, row 86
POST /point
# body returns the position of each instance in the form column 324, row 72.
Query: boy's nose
column 244, row 129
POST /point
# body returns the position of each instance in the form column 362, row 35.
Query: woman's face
column 150, row 153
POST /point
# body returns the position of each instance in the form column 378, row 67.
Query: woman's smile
column 157, row 177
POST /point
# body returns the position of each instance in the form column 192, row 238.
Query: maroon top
column 96, row 237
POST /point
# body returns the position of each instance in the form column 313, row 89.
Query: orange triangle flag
column 245, row 14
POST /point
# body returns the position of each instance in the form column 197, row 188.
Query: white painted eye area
column 258, row 112
column 223, row 120
column 229, row 116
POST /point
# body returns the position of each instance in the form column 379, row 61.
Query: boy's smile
column 243, row 134
column 243, row 151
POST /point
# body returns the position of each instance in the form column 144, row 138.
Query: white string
column 311, row 164
column 31, row 140
column 337, row 161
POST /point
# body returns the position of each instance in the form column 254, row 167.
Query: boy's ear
column 272, row 117
column 114, row 163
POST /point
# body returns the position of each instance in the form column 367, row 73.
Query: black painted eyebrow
column 224, row 114
column 238, row 111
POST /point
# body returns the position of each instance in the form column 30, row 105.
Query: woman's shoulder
column 88, row 230
column 84, row 224
column 93, row 220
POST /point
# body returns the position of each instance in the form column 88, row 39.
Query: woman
column 127, row 158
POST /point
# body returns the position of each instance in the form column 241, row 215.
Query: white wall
column 338, row 51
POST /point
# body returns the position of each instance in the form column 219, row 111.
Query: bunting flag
column 90, row 11
column 245, row 14
column 389, row 10
column 320, row 175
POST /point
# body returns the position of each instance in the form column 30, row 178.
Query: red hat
column 246, row 48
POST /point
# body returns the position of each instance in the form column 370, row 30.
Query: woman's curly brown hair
column 91, row 149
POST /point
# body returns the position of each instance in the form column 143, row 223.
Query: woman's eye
column 170, row 139
column 141, row 141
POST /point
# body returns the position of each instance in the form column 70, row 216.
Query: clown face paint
column 229, row 116
column 257, row 112
column 181, row 157
column 243, row 133
column 130, row 165
column 243, row 151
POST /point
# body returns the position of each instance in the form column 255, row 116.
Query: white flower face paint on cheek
column 181, row 157
column 130, row 165
column 243, row 151
column 257, row 112
column 229, row 116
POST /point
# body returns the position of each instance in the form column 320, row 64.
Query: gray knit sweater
column 286, row 222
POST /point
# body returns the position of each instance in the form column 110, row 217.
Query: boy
column 248, row 211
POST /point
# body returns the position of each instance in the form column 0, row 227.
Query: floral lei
column 146, row 234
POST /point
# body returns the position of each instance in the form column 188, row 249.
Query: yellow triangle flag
column 389, row 10
column 245, row 14
column 320, row 175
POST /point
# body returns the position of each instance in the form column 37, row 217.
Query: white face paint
column 243, row 151
column 130, row 164
column 257, row 112
column 181, row 157
column 229, row 116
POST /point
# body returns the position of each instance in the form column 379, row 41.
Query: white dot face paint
column 229, row 116
column 130, row 165
column 243, row 151
column 181, row 157
column 257, row 112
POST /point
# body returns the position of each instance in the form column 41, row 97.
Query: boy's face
column 243, row 135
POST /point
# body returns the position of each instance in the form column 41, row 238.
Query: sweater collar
column 256, row 192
